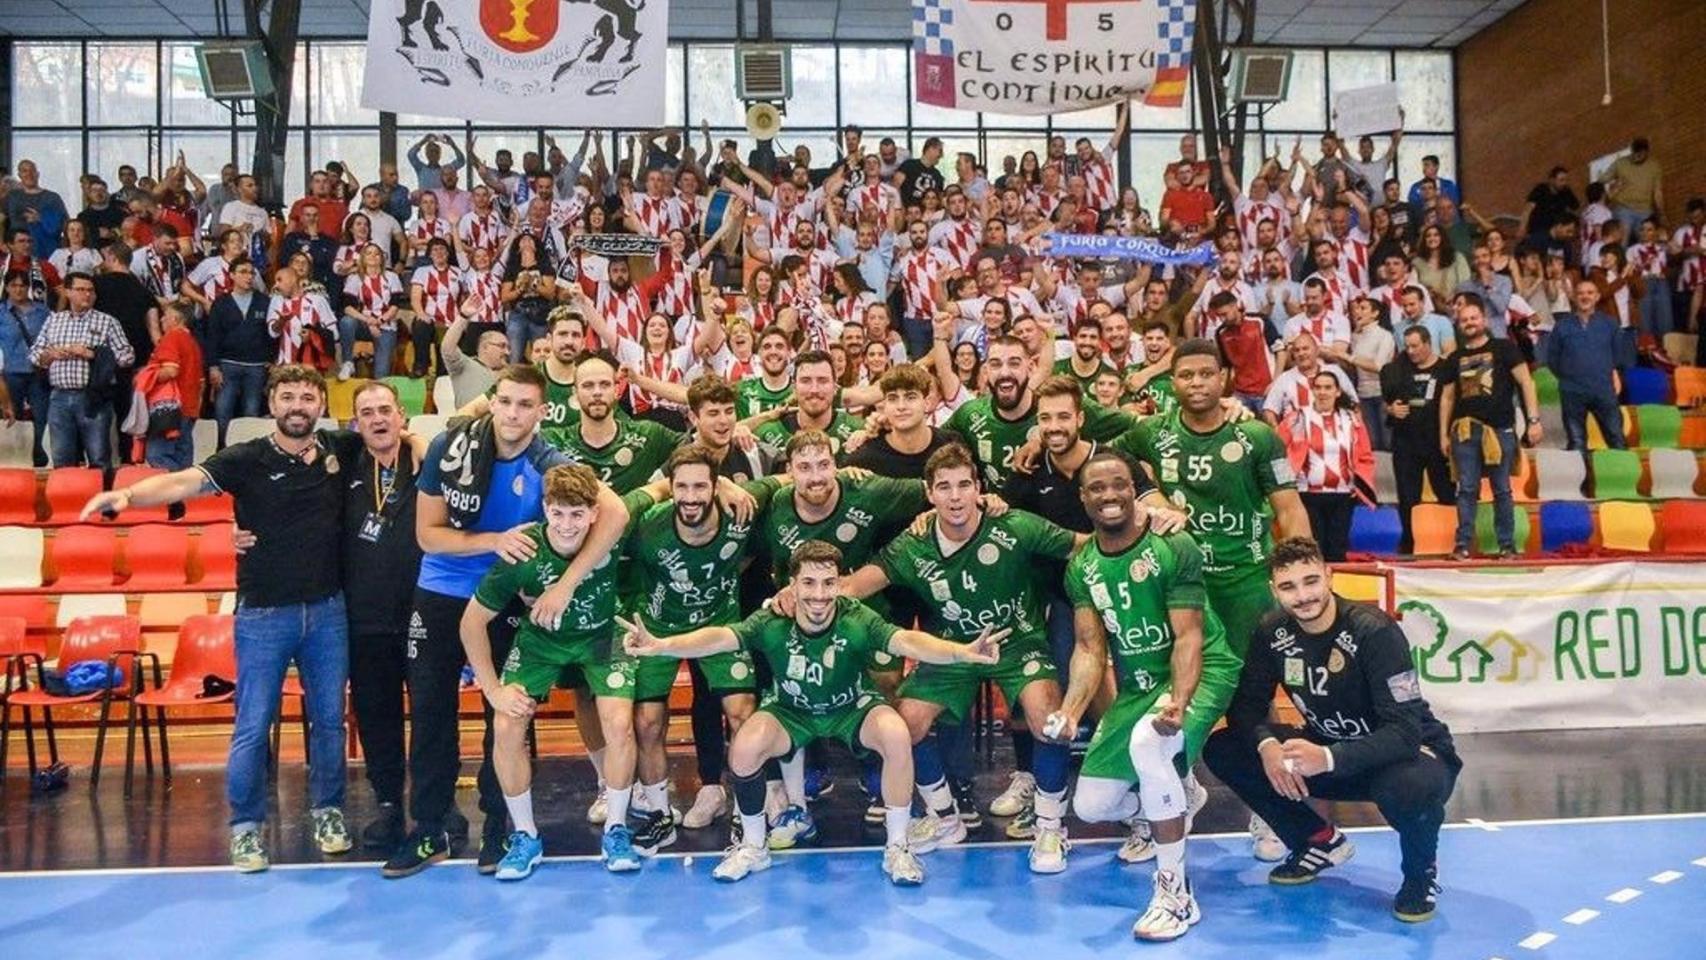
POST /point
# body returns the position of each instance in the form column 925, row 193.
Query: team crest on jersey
column 1335, row 661
column 739, row 670
column 988, row 554
column 1232, row 451
column 519, row 485
column 846, row 532
column 624, row 457
column 1144, row 566
column 332, row 463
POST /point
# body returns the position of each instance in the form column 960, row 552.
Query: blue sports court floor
column 1601, row 889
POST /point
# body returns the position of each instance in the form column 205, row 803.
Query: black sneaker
column 1417, row 898
column 656, row 831
column 494, row 843
column 386, row 830
column 419, row 851
column 456, row 826
column 967, row 802
column 1303, row 866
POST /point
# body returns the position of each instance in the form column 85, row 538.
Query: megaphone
column 763, row 121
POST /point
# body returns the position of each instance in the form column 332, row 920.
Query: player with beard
column 972, row 571
column 904, row 438
column 772, row 387
column 1233, row 479
column 687, row 557
column 566, row 340
column 1000, row 423
column 1152, row 384
column 1086, row 362
column 815, row 394
column 1138, row 596
column 288, row 489
column 819, row 693
column 624, row 451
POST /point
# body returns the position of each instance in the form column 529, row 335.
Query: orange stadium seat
column 82, row 557
column 128, row 475
column 18, row 495
column 158, row 557
column 218, row 556
column 68, row 488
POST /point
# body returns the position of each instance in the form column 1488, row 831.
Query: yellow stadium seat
column 1624, row 525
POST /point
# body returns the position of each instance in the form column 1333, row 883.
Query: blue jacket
column 1583, row 355
column 15, row 342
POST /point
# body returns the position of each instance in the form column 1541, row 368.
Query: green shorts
column 1239, row 597
column 953, row 686
column 725, row 673
column 539, row 667
column 844, row 724
column 1109, row 755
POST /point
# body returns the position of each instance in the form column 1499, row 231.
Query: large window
column 89, row 106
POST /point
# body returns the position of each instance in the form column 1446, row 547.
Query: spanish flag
column 1169, row 87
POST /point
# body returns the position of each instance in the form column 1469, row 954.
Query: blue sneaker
column 525, row 852
column 794, row 827
column 618, row 848
column 819, row 784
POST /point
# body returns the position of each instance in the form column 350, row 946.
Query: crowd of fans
column 1347, row 305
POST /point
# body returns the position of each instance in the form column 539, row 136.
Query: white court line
column 1666, row 877
column 812, row 851
column 1700, row 862
column 1581, row 916
column 1536, row 940
column 1624, row 895
column 1482, row 824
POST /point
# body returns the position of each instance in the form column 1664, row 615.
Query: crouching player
column 1139, row 595
column 585, row 638
column 818, row 658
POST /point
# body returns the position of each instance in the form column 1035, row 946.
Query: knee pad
column 1101, row 800
column 1158, row 781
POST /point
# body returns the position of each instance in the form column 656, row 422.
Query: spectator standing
column 1411, row 387
column 1634, row 186
column 1550, row 202
column 1372, row 348
column 128, row 301
column 33, row 207
column 81, row 348
column 26, row 384
column 240, row 345
column 177, row 360
column 1582, row 352
column 1329, row 450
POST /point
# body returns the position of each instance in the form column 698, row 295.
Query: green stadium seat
column 412, row 392
column 1658, row 426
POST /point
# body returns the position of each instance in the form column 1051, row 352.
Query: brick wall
column 1529, row 90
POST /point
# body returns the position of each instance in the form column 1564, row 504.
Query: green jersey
column 773, row 436
column 589, row 619
column 993, row 438
column 818, row 672
column 1132, row 592
column 625, row 463
column 1222, row 479
column 561, row 409
column 1063, row 368
column 866, row 510
column 752, row 397
column 1159, row 392
column 988, row 581
column 682, row 586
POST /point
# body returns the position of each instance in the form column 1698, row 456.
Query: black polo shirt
column 1054, row 495
column 293, row 508
column 881, row 458
column 381, row 557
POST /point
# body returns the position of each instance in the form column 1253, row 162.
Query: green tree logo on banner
column 1501, row 657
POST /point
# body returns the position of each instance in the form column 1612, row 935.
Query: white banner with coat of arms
column 1557, row 647
column 571, row 63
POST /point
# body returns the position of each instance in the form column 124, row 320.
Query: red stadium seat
column 116, row 641
column 18, row 496
column 214, row 509
column 158, row 556
column 17, row 651
column 68, row 489
column 1682, row 524
column 127, row 476
column 82, row 557
column 218, row 556
column 206, row 647
column 32, row 607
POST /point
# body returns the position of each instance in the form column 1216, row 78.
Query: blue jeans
column 1374, row 418
column 1656, row 314
column 316, row 636
column 522, row 330
column 917, row 333
column 1575, row 408
column 80, row 429
column 1631, row 220
column 31, row 388
column 1466, row 456
column 177, row 453
column 350, row 330
column 243, row 394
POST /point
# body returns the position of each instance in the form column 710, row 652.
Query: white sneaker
column 740, row 860
column 597, row 812
column 931, row 831
column 1048, row 850
column 794, row 827
column 1265, row 844
column 710, row 803
column 346, row 371
column 1172, row 911
column 1020, row 789
column 901, row 866
column 1139, row 846
column 1196, row 797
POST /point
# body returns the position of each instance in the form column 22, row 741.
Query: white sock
column 895, row 821
column 794, row 778
column 616, row 806
column 1051, row 807
column 752, row 829
column 1171, row 857
column 937, row 797
column 521, row 812
column 597, row 758
column 655, row 796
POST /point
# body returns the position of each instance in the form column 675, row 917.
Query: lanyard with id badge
column 374, row 525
